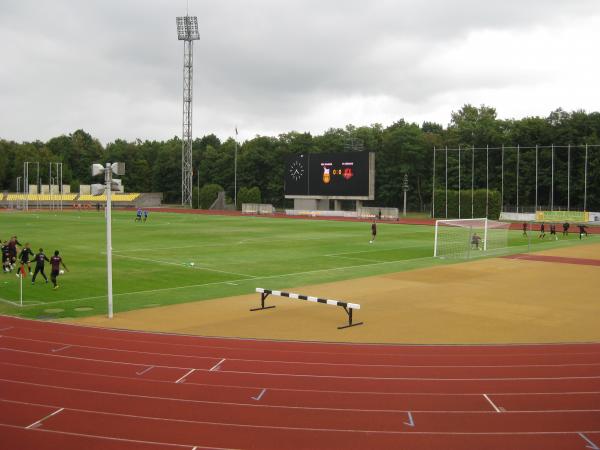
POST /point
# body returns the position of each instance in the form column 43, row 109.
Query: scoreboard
column 348, row 175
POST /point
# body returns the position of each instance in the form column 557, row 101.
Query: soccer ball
column 192, row 264
column 62, row 272
column 370, row 242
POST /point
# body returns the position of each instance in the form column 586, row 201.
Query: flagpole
column 235, row 170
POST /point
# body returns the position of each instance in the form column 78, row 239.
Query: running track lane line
column 316, row 363
column 39, row 422
column 555, row 259
column 180, row 380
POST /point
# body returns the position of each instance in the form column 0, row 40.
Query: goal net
column 467, row 238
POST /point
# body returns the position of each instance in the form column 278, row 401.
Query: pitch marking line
column 491, row 403
column 39, row 422
column 147, row 369
column 170, row 263
column 54, row 350
column 180, row 380
column 591, row 444
column 259, row 396
column 217, row 365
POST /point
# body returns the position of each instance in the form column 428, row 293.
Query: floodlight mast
column 187, row 31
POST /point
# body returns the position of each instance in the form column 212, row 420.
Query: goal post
column 465, row 238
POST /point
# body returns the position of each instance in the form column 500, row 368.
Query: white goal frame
column 482, row 224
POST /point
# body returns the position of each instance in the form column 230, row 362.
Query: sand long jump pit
column 549, row 296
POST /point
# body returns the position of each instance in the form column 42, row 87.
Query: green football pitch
column 175, row 258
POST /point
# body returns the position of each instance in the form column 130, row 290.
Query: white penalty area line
column 171, row 263
column 39, row 422
column 240, row 280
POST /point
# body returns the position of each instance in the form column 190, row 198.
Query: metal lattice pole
column 552, row 183
column 487, row 180
column 472, row 180
column 187, row 31
column 502, row 182
column 433, row 187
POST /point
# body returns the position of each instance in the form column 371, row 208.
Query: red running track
column 69, row 387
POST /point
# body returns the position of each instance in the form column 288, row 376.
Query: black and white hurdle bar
column 348, row 307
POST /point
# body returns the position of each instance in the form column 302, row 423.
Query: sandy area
column 487, row 301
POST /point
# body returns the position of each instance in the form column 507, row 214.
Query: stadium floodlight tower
column 187, row 31
column 109, row 185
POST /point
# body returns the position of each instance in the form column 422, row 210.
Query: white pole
column 502, row 187
column 21, row 288
column 459, row 181
column 485, row 233
column 585, row 179
column 108, row 180
column 487, row 179
column 552, row 182
column 446, row 182
column 472, row 179
column 569, row 178
column 433, row 188
column 518, row 162
column 536, row 177
column 435, row 239
column 235, row 170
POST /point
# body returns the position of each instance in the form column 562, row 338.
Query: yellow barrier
column 562, row 216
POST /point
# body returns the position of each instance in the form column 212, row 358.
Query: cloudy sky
column 114, row 67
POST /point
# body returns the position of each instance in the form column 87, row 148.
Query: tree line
column 401, row 148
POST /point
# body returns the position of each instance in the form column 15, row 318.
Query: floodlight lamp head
column 97, row 169
column 118, row 168
column 187, row 28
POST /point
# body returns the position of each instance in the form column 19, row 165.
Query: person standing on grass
column 542, row 231
column 475, row 241
column 55, row 262
column 12, row 250
column 24, row 257
column 566, row 229
column 553, row 231
column 145, row 215
column 138, row 215
column 40, row 259
column 582, row 230
column 5, row 257
column 524, row 229
column 373, row 232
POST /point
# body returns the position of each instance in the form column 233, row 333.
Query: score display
column 328, row 174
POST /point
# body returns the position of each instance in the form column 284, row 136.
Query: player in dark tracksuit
column 12, row 250
column 566, row 229
column 55, row 262
column 553, row 231
column 525, row 229
column 24, row 257
column 40, row 258
column 5, row 257
column 582, row 230
column 542, row 231
column 373, row 232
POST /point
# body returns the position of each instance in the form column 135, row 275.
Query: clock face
column 296, row 170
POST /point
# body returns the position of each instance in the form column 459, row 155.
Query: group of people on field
column 141, row 215
column 565, row 232
column 20, row 261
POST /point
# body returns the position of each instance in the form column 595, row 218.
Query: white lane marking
column 147, row 369
column 491, row 403
column 331, row 430
column 296, row 362
column 592, row 377
column 320, row 391
column 39, row 422
column 180, row 380
column 259, row 396
column 591, row 445
column 116, row 439
column 171, row 263
column 6, row 328
column 217, row 365
column 411, row 422
column 64, row 347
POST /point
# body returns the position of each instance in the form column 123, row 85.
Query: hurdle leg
column 350, row 324
column 263, row 296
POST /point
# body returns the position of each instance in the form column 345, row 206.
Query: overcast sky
column 114, row 67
